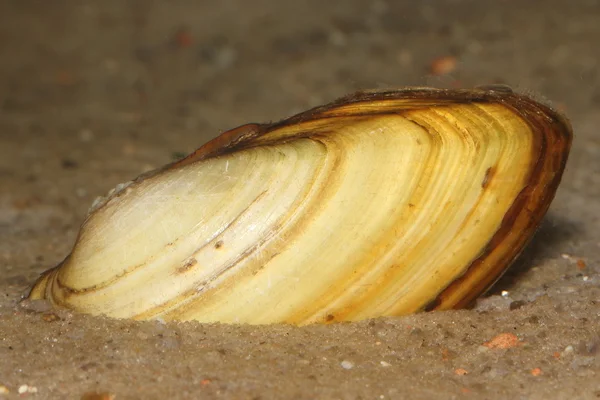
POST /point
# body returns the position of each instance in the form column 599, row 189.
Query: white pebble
column 27, row 389
column 347, row 364
column 385, row 364
column 568, row 349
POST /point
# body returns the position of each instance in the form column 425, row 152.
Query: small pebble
column 4, row 390
column 347, row 364
column 503, row 341
column 183, row 38
column 385, row 364
column 50, row 317
column 27, row 389
column 443, row 65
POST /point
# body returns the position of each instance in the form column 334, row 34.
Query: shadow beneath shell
column 552, row 236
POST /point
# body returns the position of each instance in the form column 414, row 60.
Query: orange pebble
column 445, row 354
column 443, row 65
column 503, row 341
column 183, row 38
column 461, row 371
column 65, row 78
column 536, row 372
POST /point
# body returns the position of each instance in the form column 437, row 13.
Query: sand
column 94, row 93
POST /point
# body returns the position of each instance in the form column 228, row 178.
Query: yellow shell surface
column 380, row 204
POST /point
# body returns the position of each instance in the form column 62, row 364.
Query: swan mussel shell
column 378, row 204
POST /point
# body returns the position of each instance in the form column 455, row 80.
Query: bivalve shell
column 379, row 204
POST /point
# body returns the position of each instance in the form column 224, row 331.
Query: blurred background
column 94, row 93
column 146, row 81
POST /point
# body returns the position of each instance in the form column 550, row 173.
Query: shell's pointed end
column 38, row 291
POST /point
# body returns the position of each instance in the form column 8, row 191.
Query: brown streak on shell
column 189, row 264
column 489, row 174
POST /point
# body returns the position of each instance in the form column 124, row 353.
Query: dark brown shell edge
column 529, row 208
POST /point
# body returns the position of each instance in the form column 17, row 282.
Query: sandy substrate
column 94, row 93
